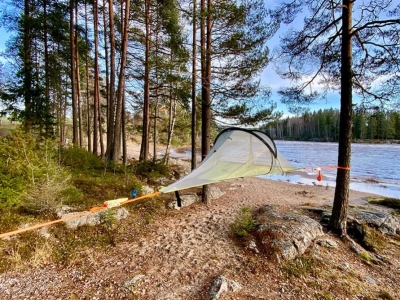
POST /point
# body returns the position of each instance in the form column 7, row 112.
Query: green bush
column 150, row 169
column 79, row 158
column 244, row 223
column 29, row 173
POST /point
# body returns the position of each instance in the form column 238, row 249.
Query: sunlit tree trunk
column 78, row 82
column 121, row 85
column 144, row 150
column 206, row 95
column 46, row 64
column 106, row 59
column 88, row 123
column 111, row 101
column 27, row 70
column 194, row 131
column 338, row 221
column 73, row 79
column 171, row 123
column 96, row 100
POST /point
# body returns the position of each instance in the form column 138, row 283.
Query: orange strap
column 140, row 198
column 92, row 210
column 336, row 167
column 328, row 168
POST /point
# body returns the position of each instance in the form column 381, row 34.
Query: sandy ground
column 178, row 254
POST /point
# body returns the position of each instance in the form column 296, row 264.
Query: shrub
column 46, row 195
column 244, row 223
column 79, row 158
column 150, row 169
column 388, row 202
column 30, row 174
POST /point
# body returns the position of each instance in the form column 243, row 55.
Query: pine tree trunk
column 206, row 100
column 27, row 67
column 78, row 83
column 96, row 99
column 48, row 130
column 88, row 131
column 121, row 86
column 338, row 221
column 73, row 79
column 144, row 150
column 194, row 131
column 171, row 124
column 111, row 122
column 106, row 61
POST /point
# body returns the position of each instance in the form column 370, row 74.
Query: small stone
column 345, row 265
column 234, row 286
column 327, row 243
column 253, row 246
column 355, row 249
column 219, row 285
column 369, row 279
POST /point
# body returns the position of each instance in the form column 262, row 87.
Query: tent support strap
column 178, row 199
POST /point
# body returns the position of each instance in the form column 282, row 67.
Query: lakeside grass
column 386, row 202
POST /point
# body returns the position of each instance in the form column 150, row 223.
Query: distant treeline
column 323, row 125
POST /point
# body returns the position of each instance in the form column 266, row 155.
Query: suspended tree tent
column 236, row 153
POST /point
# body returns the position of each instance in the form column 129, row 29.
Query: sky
column 271, row 79
column 3, row 38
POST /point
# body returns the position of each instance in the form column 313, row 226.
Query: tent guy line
column 107, row 205
column 236, row 153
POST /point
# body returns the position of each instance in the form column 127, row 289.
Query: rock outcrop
column 383, row 221
column 286, row 233
column 95, row 218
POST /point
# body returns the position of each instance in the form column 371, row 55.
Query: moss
column 373, row 239
column 385, row 295
column 303, row 265
column 244, row 222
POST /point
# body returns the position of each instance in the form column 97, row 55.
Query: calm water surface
column 377, row 162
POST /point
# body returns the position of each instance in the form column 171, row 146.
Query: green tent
column 236, row 153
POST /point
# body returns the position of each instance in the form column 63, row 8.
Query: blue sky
column 271, row 79
column 3, row 38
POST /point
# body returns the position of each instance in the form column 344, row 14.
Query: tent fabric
column 236, row 153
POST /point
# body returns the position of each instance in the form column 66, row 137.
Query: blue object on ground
column 134, row 192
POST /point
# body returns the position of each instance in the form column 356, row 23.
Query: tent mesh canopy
column 236, row 153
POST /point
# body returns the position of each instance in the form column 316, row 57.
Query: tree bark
column 338, row 221
column 48, row 129
column 171, row 123
column 116, row 151
column 144, row 149
column 206, row 98
column 88, row 131
column 194, row 110
column 73, row 79
column 78, row 82
column 111, row 101
column 106, row 60
column 96, row 100
column 27, row 76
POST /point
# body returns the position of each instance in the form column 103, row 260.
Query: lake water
column 378, row 163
